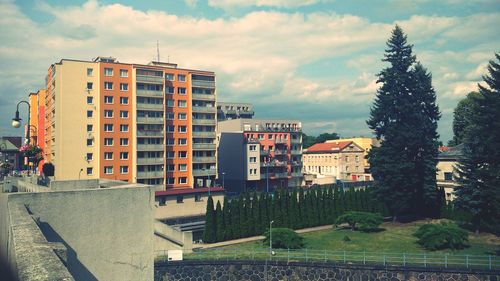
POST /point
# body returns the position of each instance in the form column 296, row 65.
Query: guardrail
column 440, row 260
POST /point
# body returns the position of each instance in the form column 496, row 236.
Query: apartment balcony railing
column 273, row 175
column 149, row 133
column 149, row 161
column 296, row 151
column 297, row 140
column 280, row 141
column 203, row 134
column 280, row 152
column 296, row 174
column 203, row 146
column 264, row 152
column 148, row 175
column 207, row 122
column 204, row 173
column 274, row 164
column 150, row 106
column 203, row 84
column 207, row 159
column 296, row 163
column 205, row 109
column 150, row 120
column 204, row 97
column 150, row 147
column 149, row 93
column 150, row 79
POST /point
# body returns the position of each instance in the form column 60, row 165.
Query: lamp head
column 16, row 121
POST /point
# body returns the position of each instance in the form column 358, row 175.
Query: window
column 270, row 136
column 123, row 128
column 169, row 76
column 182, row 180
column 170, row 141
column 182, row 103
column 170, row 180
column 90, row 127
column 90, row 85
column 108, row 155
column 357, row 158
column 108, row 99
column 123, row 100
column 90, row 71
column 90, row 171
column 252, row 148
column 170, row 103
column 251, row 171
column 108, row 170
column 89, row 156
column 108, row 127
column 261, row 136
column 169, row 90
column 182, row 167
column 182, row 116
column 448, row 176
column 123, row 155
column 123, row 169
column 182, row 129
column 89, row 142
column 89, row 113
column 170, row 128
column 90, row 100
column 123, row 114
column 183, row 142
column 171, row 154
column 123, row 73
column 108, row 85
column 181, row 77
column 182, row 154
column 108, row 141
column 181, row 91
column 197, row 198
column 108, row 113
column 171, row 167
column 108, row 71
column 123, row 87
column 170, row 116
column 253, row 159
column 124, row 141
column 162, row 201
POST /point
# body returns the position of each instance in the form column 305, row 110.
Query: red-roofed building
column 331, row 161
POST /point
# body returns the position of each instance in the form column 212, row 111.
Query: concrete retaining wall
column 168, row 238
column 261, row 270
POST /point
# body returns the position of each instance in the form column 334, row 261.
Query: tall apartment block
column 260, row 154
column 146, row 123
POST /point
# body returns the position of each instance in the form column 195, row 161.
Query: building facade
column 339, row 160
column 231, row 110
column 447, row 170
column 146, row 123
column 260, row 154
column 366, row 144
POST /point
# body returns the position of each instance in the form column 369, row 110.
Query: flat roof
column 175, row 191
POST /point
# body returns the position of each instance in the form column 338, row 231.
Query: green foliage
column 462, row 118
column 362, row 221
column 284, row 238
column 442, row 236
column 209, row 233
column 346, row 239
column 219, row 223
column 48, row 169
column 308, row 141
column 404, row 116
column 478, row 192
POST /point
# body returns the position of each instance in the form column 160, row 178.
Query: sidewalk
column 255, row 238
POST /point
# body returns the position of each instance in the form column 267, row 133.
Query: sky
column 311, row 60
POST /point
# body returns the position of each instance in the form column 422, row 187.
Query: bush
column 363, row 221
column 346, row 239
column 284, row 238
column 442, row 236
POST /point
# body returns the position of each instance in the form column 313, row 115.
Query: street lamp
column 208, row 177
column 223, row 174
column 271, row 239
column 16, row 121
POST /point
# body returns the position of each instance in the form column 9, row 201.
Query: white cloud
column 230, row 4
column 191, row 3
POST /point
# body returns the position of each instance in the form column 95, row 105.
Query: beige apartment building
column 366, row 144
column 447, row 170
column 335, row 160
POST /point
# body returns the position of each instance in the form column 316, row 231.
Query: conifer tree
column 302, row 210
column 404, row 116
column 209, row 235
column 235, row 218
column 256, row 214
column 264, row 219
column 244, row 215
column 228, row 235
column 219, row 223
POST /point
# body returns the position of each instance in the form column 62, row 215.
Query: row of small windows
column 110, row 127
column 109, row 142
column 269, row 136
column 180, row 199
column 171, row 77
column 180, row 180
column 110, row 100
column 181, row 154
column 329, row 158
column 109, row 155
column 168, row 76
column 180, row 167
column 180, row 141
column 180, row 129
column 108, row 113
column 108, row 170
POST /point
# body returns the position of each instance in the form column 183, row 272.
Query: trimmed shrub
column 48, row 169
column 442, row 236
column 346, row 239
column 363, row 221
column 284, row 238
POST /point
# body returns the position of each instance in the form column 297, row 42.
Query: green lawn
column 395, row 238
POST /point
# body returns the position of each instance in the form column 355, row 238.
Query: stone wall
column 263, row 270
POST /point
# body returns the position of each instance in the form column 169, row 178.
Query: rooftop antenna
column 158, row 50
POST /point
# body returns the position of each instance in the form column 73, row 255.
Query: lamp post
column 223, row 174
column 16, row 121
column 208, row 177
column 271, row 239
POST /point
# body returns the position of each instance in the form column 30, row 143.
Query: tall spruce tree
column 479, row 169
column 228, row 229
column 209, row 231
column 219, row 223
column 404, row 116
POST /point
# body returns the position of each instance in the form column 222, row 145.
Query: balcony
column 280, row 141
column 204, row 173
column 296, row 151
column 149, row 175
column 296, row 163
column 149, row 133
column 149, row 161
column 203, row 146
column 150, row 120
column 204, row 97
column 296, row 141
column 207, row 159
column 150, row 106
column 207, row 122
column 205, row 109
column 264, row 152
column 274, row 164
column 273, row 175
column 280, row 152
column 149, row 93
column 203, row 84
column 203, row 134
column 150, row 79
column 296, row 174
column 150, row 147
